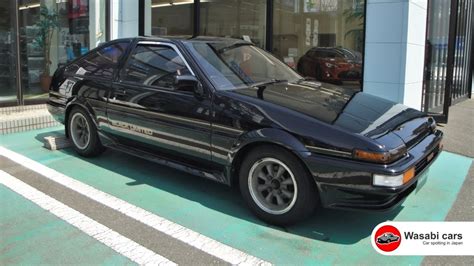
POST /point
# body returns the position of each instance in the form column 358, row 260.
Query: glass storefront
column 322, row 39
column 50, row 33
column 448, row 58
column 242, row 19
column 462, row 56
column 172, row 17
column 8, row 90
column 436, row 57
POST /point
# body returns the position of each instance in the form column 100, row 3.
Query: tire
column 261, row 192
column 83, row 133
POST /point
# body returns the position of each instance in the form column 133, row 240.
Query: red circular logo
column 388, row 238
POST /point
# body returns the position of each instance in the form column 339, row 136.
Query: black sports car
column 226, row 110
column 387, row 238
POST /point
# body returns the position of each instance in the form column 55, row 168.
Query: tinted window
column 154, row 66
column 101, row 62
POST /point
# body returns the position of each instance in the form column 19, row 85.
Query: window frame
column 151, row 43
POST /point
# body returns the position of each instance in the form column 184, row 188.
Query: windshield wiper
column 268, row 82
column 261, row 86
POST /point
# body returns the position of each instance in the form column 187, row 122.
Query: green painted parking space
column 31, row 236
column 216, row 211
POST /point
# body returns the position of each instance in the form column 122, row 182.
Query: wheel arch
column 75, row 102
column 263, row 137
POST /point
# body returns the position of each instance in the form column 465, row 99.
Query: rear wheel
column 277, row 186
column 83, row 133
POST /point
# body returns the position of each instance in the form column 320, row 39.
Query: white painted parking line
column 188, row 236
column 107, row 236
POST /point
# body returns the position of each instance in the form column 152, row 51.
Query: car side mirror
column 189, row 83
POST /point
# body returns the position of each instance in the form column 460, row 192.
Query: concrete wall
column 395, row 48
column 124, row 19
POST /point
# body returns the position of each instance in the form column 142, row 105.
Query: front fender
column 269, row 135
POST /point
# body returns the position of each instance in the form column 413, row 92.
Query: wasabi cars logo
column 387, row 238
column 423, row 238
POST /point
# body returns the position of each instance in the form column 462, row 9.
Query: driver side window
column 154, row 65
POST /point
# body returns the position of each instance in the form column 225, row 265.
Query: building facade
column 415, row 52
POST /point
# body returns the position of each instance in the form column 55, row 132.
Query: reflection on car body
column 226, row 110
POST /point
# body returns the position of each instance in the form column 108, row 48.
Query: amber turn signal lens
column 408, row 175
column 371, row 156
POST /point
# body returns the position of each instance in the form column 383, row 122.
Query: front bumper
column 341, row 74
column 347, row 184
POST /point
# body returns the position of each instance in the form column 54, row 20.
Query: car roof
column 176, row 39
column 324, row 48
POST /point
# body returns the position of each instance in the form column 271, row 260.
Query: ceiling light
column 23, row 7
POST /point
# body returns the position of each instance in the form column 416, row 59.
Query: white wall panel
column 394, row 50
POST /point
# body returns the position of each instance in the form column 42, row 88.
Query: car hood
column 345, row 108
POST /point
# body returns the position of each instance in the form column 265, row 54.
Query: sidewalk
column 459, row 138
column 23, row 118
column 459, row 135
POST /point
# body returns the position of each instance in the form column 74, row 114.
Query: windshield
column 232, row 65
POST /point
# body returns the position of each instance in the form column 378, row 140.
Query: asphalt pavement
column 459, row 139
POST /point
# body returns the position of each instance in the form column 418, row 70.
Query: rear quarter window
column 101, row 62
column 154, row 65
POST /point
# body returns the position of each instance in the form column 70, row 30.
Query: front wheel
column 276, row 186
column 83, row 133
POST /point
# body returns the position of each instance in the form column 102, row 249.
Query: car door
column 146, row 110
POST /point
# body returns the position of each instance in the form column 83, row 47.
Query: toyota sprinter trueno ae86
column 229, row 111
